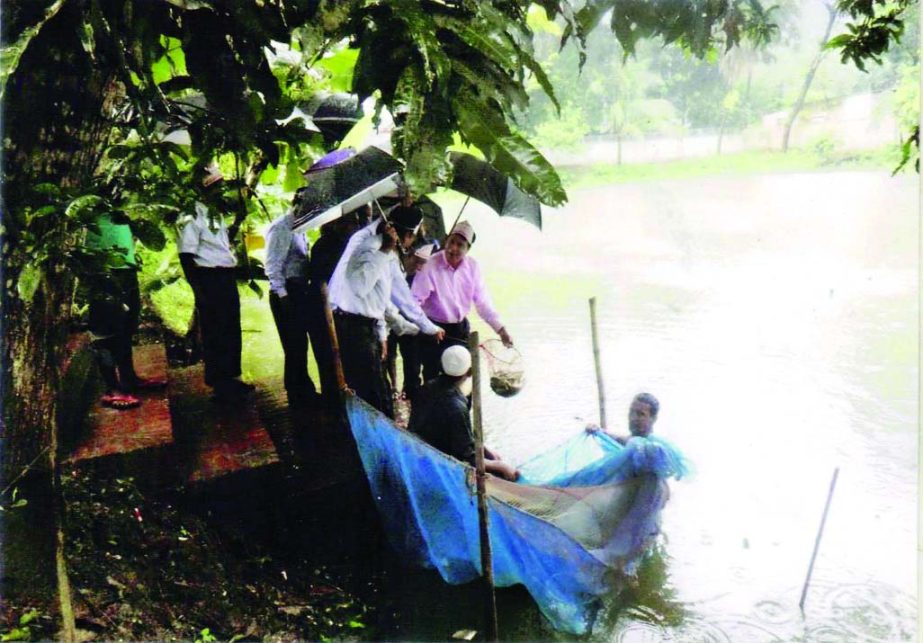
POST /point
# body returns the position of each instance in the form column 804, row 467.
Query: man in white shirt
column 209, row 265
column 286, row 268
column 366, row 289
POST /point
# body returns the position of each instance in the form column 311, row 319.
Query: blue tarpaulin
column 582, row 513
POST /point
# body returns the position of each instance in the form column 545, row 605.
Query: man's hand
column 501, row 470
column 505, row 337
column 439, row 334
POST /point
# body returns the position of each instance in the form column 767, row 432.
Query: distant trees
column 624, row 94
column 832, row 12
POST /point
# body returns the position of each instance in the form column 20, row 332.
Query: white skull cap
column 456, row 361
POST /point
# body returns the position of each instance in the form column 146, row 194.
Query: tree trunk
column 832, row 13
column 55, row 131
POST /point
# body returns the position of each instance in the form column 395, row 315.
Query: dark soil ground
column 155, row 568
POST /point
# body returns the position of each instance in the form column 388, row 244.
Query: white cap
column 456, row 361
column 464, row 230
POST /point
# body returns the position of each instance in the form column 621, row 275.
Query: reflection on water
column 775, row 318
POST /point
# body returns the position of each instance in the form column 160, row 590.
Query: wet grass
column 742, row 163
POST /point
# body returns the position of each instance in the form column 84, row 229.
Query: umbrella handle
column 381, row 210
column 468, row 198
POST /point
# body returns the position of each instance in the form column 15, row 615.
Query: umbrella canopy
column 337, row 185
column 433, row 223
column 480, row 180
column 334, row 115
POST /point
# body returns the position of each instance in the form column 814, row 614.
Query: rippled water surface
column 775, row 317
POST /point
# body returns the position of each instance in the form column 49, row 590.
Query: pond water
column 775, row 317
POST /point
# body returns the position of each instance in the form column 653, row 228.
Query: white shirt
column 367, row 280
column 205, row 239
column 286, row 254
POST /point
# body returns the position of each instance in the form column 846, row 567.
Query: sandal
column 120, row 402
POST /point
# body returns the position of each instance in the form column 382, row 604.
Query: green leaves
column 84, row 207
column 508, row 152
column 876, row 24
column 909, row 149
column 422, row 30
column 11, row 53
column 695, row 25
column 339, row 67
column 149, row 233
column 29, row 280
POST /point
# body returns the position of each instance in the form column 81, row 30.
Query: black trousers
column 431, row 350
column 115, row 311
column 316, row 319
column 218, row 304
column 290, row 314
column 409, row 346
column 360, row 351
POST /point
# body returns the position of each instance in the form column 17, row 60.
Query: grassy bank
column 754, row 162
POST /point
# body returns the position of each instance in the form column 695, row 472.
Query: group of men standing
column 386, row 280
column 383, row 277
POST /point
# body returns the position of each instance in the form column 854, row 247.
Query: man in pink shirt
column 446, row 288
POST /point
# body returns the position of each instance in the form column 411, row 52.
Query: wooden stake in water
column 599, row 369
column 820, row 532
column 490, row 605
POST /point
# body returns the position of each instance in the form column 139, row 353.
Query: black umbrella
column 480, row 180
column 433, row 223
column 334, row 115
column 337, row 186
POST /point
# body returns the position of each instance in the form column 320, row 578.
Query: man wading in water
column 641, row 418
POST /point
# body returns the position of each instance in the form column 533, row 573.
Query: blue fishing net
column 597, row 458
column 564, row 542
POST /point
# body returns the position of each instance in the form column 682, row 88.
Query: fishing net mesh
column 505, row 367
column 580, row 513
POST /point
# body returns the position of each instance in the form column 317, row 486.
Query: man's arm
column 501, row 469
column 402, row 297
column 485, row 307
column 595, row 428
column 364, row 270
column 397, row 323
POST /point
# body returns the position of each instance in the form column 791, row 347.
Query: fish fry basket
column 505, row 366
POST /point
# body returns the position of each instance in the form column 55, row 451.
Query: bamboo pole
column 334, row 343
column 820, row 532
column 490, row 605
column 599, row 369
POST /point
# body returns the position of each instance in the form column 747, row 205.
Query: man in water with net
column 442, row 418
column 642, row 414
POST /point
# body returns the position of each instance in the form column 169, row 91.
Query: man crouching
column 440, row 415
